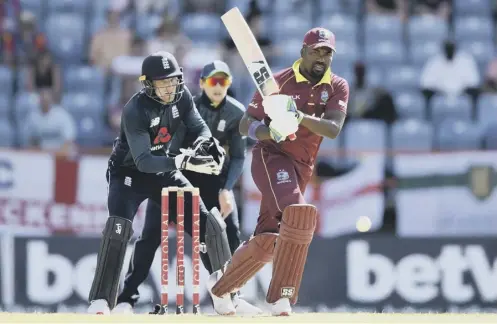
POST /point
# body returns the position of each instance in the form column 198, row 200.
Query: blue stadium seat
column 410, row 104
column 243, row 5
column 473, row 28
column 347, row 52
column 7, row 134
column 25, row 104
column 290, row 52
column 147, row 25
column 486, row 110
column 5, row 106
column 88, row 112
column 490, row 137
column 289, row 26
column 84, row 78
column 443, row 107
column 66, row 37
column 472, row 7
column 90, row 127
column 411, row 135
column 69, row 6
column 305, row 8
column 420, row 52
column 6, row 80
column 482, row 51
column 201, row 26
column 385, row 53
column 329, row 7
column 458, row 134
column 82, row 102
column 403, row 77
column 364, row 135
column 375, row 75
column 353, row 7
column 343, row 26
column 33, row 6
column 378, row 28
column 427, row 29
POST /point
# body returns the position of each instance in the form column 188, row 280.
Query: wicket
column 180, row 248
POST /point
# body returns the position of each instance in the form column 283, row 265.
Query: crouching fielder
column 312, row 103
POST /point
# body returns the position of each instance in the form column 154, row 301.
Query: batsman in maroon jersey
column 312, row 103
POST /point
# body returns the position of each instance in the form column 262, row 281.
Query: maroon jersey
column 332, row 92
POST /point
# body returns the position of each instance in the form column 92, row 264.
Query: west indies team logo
column 324, row 96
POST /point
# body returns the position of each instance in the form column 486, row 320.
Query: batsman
column 311, row 103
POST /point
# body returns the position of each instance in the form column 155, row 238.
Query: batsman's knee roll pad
column 298, row 224
column 216, row 240
column 297, row 228
column 248, row 259
column 116, row 235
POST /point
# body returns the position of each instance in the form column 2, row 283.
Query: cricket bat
column 251, row 54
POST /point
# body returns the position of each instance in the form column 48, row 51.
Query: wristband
column 253, row 128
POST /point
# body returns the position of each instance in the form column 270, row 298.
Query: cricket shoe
column 123, row 309
column 222, row 305
column 281, row 307
column 99, row 307
column 243, row 307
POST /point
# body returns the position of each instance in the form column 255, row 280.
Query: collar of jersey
column 209, row 103
column 326, row 79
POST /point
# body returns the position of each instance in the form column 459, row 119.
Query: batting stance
column 312, row 103
column 139, row 168
column 222, row 114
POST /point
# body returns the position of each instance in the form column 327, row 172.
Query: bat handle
column 292, row 137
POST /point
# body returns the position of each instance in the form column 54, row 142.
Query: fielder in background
column 139, row 168
column 222, row 113
column 312, row 103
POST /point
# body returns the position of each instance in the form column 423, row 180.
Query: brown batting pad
column 247, row 260
column 296, row 231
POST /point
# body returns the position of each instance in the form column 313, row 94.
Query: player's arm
column 194, row 123
column 251, row 123
column 135, row 128
column 238, row 146
column 334, row 117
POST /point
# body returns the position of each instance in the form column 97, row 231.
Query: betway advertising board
column 370, row 273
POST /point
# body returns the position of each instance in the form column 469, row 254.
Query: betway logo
column 420, row 278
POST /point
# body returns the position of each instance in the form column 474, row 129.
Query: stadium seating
column 490, row 137
column 473, row 28
column 402, row 77
column 410, row 104
column 84, row 78
column 443, row 107
column 364, row 135
column 7, row 134
column 487, row 110
column 65, row 6
column 458, row 134
column 427, row 29
column 411, row 135
column 66, row 37
column 25, row 103
column 472, row 7
column 6, row 80
column 5, row 107
column 394, row 52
